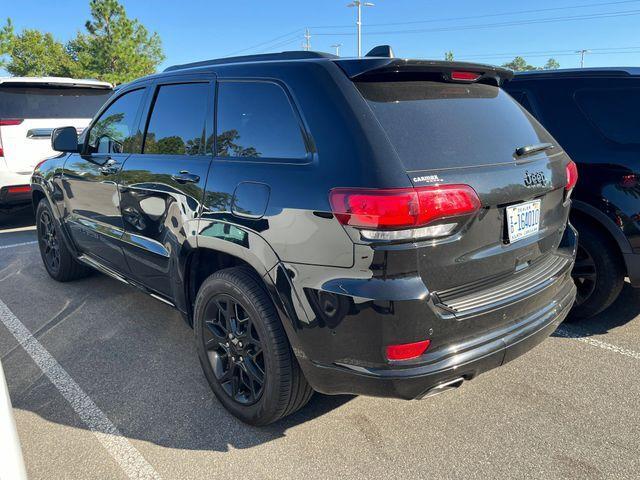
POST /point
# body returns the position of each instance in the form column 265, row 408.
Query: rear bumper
column 460, row 361
column 9, row 194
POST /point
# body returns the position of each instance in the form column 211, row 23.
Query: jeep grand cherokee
column 371, row 226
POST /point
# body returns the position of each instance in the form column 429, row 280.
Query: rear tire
column 244, row 351
column 59, row 262
column 598, row 273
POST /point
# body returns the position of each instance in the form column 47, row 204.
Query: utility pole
column 337, row 47
column 359, row 4
column 582, row 54
column 307, row 38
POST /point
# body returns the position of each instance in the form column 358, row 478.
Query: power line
column 570, row 51
column 294, row 32
column 488, row 15
column 495, row 25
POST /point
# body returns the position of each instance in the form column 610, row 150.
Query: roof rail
column 289, row 55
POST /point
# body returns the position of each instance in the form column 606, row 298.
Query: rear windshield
column 49, row 102
column 443, row 125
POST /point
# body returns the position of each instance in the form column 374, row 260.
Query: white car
column 30, row 108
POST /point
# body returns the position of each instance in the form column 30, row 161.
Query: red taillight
column 465, row 76
column 19, row 189
column 397, row 208
column 407, row 351
column 572, row 176
column 7, row 122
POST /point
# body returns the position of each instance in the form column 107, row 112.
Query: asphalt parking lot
column 105, row 383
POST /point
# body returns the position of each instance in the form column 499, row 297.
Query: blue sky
column 486, row 31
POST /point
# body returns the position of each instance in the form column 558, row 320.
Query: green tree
column 115, row 48
column 448, row 56
column 552, row 64
column 37, row 54
column 6, row 35
column 519, row 64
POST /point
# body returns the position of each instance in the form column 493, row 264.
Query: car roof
column 579, row 72
column 379, row 60
column 61, row 81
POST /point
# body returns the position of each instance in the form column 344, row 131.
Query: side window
column 115, row 132
column 612, row 111
column 256, row 119
column 177, row 122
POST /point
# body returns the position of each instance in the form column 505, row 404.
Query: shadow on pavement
column 621, row 312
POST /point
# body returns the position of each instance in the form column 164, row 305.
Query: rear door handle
column 185, row 177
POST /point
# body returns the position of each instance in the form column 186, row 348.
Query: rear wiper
column 531, row 149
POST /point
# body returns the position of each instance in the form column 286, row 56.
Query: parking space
column 106, row 384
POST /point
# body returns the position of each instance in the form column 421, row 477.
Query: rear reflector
column 407, row 351
column 6, row 122
column 397, row 208
column 465, row 76
column 572, row 176
column 19, row 189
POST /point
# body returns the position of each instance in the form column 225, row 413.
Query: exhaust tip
column 443, row 387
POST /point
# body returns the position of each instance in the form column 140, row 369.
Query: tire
column 59, row 262
column 598, row 273
column 244, row 350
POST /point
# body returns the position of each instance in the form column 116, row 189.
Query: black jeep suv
column 592, row 113
column 371, row 226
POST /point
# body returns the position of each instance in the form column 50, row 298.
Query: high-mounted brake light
column 7, row 122
column 572, row 176
column 407, row 351
column 465, row 76
column 386, row 214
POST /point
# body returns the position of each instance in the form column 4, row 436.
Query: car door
column 161, row 189
column 92, row 204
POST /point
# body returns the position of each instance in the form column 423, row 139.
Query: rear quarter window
column 256, row 120
column 444, row 125
column 613, row 112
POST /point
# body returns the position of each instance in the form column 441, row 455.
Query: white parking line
column 129, row 459
column 586, row 337
column 18, row 244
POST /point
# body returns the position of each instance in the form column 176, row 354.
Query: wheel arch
column 583, row 213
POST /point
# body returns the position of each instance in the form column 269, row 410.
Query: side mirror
column 65, row 139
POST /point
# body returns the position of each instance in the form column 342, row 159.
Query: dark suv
column 592, row 113
column 372, row 226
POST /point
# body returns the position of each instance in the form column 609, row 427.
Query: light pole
column 582, row 54
column 337, row 47
column 359, row 4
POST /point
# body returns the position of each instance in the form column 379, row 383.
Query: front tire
column 244, row 350
column 58, row 260
column 598, row 273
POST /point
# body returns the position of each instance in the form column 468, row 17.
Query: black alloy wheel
column 234, row 349
column 243, row 348
column 584, row 275
column 49, row 241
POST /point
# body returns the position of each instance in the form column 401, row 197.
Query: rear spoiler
column 370, row 68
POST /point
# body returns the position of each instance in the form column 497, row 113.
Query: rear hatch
column 29, row 112
column 473, row 133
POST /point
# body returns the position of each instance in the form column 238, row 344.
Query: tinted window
column 436, row 125
column 115, row 132
column 177, row 122
column 613, row 111
column 256, row 119
column 48, row 102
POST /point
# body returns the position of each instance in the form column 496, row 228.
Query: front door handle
column 185, row 177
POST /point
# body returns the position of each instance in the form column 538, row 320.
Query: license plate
column 523, row 220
